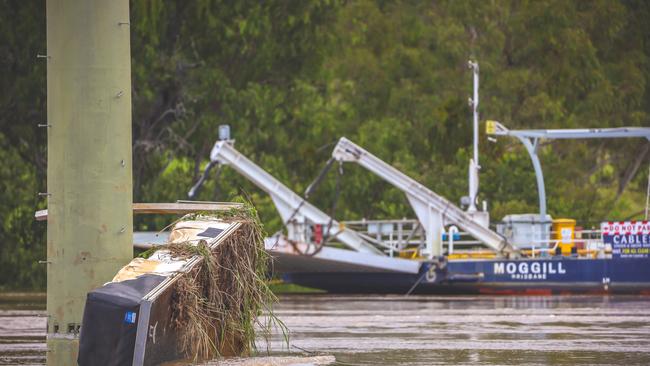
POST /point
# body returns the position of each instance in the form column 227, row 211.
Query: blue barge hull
column 539, row 276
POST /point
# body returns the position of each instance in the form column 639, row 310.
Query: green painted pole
column 89, row 229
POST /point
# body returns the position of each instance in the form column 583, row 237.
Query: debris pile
column 198, row 297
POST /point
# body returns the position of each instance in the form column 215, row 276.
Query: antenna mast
column 473, row 163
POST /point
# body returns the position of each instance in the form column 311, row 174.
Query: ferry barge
column 494, row 277
column 447, row 249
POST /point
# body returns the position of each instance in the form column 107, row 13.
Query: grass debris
column 217, row 307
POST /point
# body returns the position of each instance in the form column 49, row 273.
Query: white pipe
column 475, row 111
column 474, row 163
column 452, row 230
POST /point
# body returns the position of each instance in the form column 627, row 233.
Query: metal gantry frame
column 531, row 138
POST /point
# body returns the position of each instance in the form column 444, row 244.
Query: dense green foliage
column 290, row 77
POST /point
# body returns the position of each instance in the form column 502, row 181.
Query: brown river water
column 414, row 330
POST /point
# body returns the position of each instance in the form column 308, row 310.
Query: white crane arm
column 288, row 203
column 430, row 207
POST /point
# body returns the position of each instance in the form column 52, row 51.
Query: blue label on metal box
column 129, row 317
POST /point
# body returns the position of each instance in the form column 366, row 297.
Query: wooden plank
column 183, row 207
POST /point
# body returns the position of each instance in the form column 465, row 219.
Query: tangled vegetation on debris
column 218, row 306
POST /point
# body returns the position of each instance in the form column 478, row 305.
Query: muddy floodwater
column 417, row 330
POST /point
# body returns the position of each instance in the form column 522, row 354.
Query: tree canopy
column 291, row 77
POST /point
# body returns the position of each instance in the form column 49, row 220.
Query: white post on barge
column 473, row 163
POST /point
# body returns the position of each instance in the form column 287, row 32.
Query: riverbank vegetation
column 290, row 77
